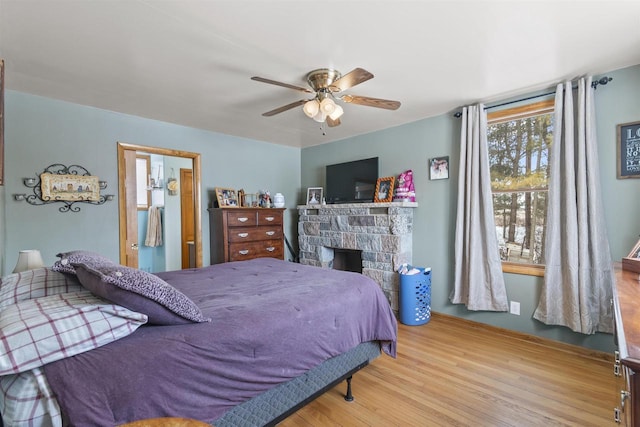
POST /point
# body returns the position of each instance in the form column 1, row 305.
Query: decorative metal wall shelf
column 50, row 193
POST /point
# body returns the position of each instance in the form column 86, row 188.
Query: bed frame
column 273, row 406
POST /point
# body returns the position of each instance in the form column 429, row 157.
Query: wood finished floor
column 451, row 372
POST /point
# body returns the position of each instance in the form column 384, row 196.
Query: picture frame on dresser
column 226, row 197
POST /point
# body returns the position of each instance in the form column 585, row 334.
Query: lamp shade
column 337, row 113
column 327, row 106
column 28, row 260
column 311, row 108
column 320, row 116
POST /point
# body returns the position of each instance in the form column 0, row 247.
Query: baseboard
column 546, row 342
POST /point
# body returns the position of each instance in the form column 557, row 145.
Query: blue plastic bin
column 415, row 297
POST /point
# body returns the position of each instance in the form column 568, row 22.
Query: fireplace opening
column 347, row 260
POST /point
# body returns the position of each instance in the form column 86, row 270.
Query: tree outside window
column 519, row 140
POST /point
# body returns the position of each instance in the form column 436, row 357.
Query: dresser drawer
column 242, row 218
column 268, row 216
column 244, row 233
column 250, row 250
column 248, row 234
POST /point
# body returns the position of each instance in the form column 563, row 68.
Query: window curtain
column 479, row 283
column 578, row 279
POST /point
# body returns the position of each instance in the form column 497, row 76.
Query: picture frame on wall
column 439, row 168
column 314, row 195
column 226, row 197
column 69, row 187
column 384, row 189
column 628, row 150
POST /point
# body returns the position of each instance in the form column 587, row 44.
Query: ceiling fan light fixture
column 320, row 117
column 311, row 108
column 337, row 113
column 325, row 84
column 327, row 106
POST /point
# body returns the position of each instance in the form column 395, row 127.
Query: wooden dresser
column 238, row 234
column 626, row 304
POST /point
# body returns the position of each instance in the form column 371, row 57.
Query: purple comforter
column 272, row 320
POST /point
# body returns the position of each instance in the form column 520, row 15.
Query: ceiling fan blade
column 284, row 108
column 333, row 123
column 352, row 78
column 273, row 82
column 371, row 102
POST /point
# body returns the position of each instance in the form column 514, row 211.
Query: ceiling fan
column 326, row 84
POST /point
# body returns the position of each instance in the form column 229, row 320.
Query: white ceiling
column 190, row 62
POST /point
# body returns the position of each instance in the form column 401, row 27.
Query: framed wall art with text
column 628, row 150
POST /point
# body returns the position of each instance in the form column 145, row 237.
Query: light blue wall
column 41, row 131
column 411, row 146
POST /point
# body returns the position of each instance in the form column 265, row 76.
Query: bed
column 233, row 344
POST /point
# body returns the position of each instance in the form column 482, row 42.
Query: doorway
column 188, row 213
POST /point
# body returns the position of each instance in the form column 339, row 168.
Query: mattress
column 271, row 321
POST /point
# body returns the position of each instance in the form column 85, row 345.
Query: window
column 519, row 140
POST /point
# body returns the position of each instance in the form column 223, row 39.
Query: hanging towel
column 154, row 227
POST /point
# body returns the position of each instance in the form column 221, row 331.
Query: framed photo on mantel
column 314, row 195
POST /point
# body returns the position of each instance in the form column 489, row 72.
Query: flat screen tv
column 352, row 182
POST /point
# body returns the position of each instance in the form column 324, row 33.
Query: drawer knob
column 243, row 252
column 269, row 218
column 271, row 249
column 243, row 234
column 270, row 233
column 243, row 219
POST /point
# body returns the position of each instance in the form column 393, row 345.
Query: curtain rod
column 594, row 85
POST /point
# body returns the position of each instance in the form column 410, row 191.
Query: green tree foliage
column 518, row 158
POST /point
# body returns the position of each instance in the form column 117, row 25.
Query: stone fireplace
column 378, row 234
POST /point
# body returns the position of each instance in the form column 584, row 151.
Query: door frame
column 197, row 193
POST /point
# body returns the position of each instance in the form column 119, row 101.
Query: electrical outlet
column 515, row 308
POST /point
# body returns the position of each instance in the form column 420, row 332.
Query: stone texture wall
column 382, row 231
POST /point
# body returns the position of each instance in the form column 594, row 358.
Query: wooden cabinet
column 238, row 234
column 626, row 304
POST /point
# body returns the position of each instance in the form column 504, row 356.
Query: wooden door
column 129, row 253
column 128, row 200
column 187, row 218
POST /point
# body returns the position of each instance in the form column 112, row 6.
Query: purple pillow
column 65, row 264
column 139, row 291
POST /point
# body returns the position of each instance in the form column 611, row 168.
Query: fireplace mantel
column 382, row 231
column 360, row 205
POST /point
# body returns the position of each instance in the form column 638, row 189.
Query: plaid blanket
column 27, row 400
column 38, row 331
column 41, row 330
